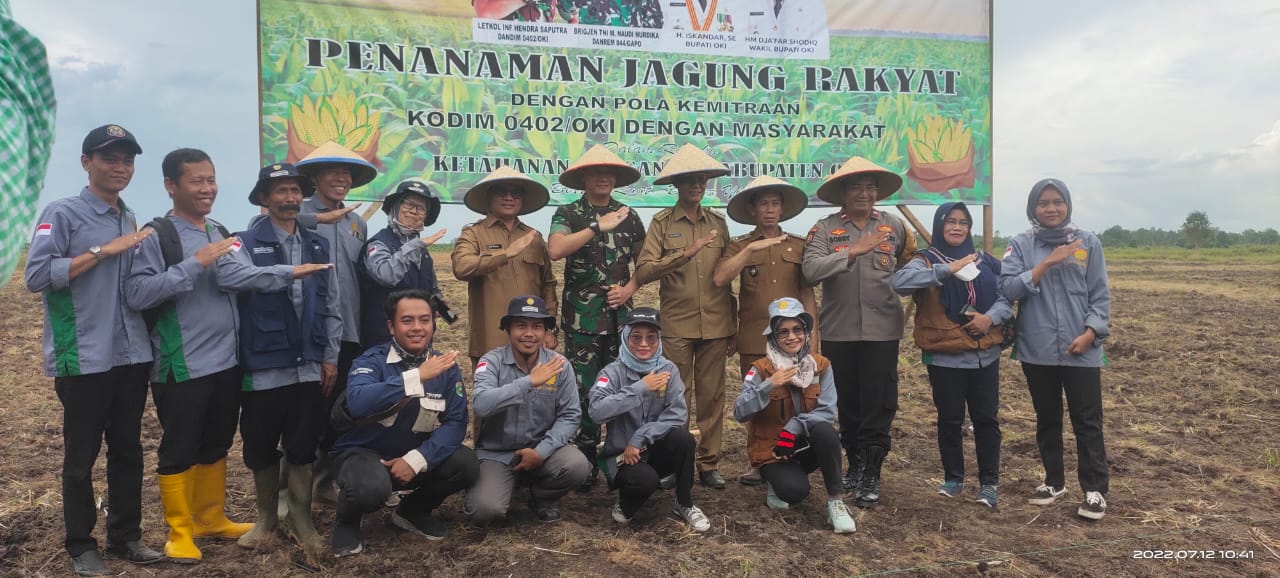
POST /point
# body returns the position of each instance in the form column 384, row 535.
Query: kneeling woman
column 641, row 398
column 788, row 402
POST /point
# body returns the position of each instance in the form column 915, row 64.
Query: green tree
column 1198, row 230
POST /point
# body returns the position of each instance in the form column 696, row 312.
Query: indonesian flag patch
column 372, row 249
column 44, row 229
column 603, row 381
column 750, row 373
column 481, row 367
column 236, row 246
column 1008, row 251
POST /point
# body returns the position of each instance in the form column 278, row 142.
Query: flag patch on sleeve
column 481, row 367
column 44, row 229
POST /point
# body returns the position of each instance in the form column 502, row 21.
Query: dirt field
column 1192, row 409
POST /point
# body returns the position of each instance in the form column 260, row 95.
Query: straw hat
column 362, row 171
column 793, row 199
column 688, row 160
column 832, row 189
column 598, row 156
column 536, row 195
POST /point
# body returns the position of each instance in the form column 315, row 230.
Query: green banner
column 446, row 91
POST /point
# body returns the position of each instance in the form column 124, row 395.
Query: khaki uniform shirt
column 692, row 306
column 480, row 259
column 768, row 275
column 858, row 301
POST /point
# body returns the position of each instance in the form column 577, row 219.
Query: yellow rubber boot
column 209, row 500
column 177, row 513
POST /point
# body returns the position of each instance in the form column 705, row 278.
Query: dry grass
column 1191, row 403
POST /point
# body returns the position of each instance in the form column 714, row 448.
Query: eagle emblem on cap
column 115, row 131
column 529, row 301
column 275, row 167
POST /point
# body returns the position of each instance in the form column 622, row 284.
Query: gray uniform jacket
column 1071, row 296
column 918, row 274
column 88, row 328
column 197, row 336
column 515, row 415
column 635, row 415
column 858, row 302
column 346, row 238
column 388, row 268
column 755, row 397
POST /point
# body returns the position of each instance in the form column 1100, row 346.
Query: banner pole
column 987, row 227
column 915, row 223
column 373, row 208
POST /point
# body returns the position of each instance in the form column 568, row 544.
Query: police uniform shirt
column 692, row 306
column 858, row 301
column 770, row 274
column 88, row 327
column 480, row 259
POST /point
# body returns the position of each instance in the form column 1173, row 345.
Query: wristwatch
column 96, row 251
column 595, row 227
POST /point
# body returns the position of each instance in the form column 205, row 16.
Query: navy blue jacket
column 271, row 335
column 386, row 265
column 431, row 427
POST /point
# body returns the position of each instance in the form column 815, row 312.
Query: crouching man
column 526, row 403
column 403, row 420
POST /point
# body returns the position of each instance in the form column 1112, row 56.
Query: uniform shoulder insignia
column 741, row 237
column 715, row 213
column 795, row 236
column 664, row 213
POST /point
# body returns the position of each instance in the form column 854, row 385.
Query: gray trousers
column 490, row 498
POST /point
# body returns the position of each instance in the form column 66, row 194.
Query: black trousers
column 97, row 406
column 285, row 417
column 866, row 374
column 979, row 389
column 671, row 454
column 199, row 418
column 347, row 354
column 1083, row 388
column 790, row 479
column 364, row 483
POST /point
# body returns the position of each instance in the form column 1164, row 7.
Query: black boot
column 868, row 495
column 853, row 477
column 590, row 482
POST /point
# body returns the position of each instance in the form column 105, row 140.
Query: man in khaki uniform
column 681, row 250
column 767, row 263
column 853, row 253
column 500, row 257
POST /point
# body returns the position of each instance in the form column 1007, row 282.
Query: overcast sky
column 1146, row 109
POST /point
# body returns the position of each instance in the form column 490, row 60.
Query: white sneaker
column 697, row 521
column 774, row 502
column 838, row 516
column 1046, row 494
column 618, row 516
column 1094, row 506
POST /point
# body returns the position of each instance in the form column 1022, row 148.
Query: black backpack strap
column 170, row 243
column 226, row 234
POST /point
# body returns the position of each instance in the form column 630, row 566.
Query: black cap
column 107, row 135
column 414, row 187
column 645, row 315
column 527, row 306
column 279, row 171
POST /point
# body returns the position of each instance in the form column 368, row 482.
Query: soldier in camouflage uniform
column 633, row 13
column 600, row 238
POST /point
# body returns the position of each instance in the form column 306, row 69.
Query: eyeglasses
column 794, row 331
column 513, row 193
column 414, row 208
column 637, row 339
column 957, row 223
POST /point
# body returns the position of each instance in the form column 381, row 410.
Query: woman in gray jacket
column 1057, row 274
column 641, row 398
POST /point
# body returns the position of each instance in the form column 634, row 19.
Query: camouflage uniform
column 590, row 327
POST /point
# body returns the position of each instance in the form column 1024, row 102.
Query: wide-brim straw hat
column 793, row 199
column 536, row 195
column 690, row 160
column 832, row 189
column 598, row 156
column 332, row 153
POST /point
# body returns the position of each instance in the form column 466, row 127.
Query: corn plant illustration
column 338, row 117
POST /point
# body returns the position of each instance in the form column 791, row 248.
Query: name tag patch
column 494, row 246
column 263, row 250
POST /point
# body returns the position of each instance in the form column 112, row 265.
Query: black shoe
column 89, row 563
column 135, row 552
column 711, row 479
column 852, row 477
column 868, row 495
column 545, row 511
column 422, row 523
column 346, row 540
column 591, row 480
